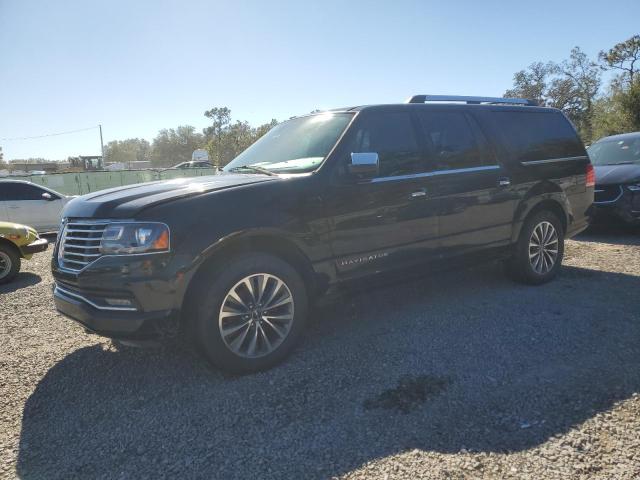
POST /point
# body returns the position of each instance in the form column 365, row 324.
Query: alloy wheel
column 256, row 315
column 543, row 248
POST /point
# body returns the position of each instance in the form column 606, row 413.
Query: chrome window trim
column 59, row 291
column 435, row 173
column 554, row 160
column 609, row 201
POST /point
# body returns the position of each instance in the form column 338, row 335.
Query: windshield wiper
column 255, row 169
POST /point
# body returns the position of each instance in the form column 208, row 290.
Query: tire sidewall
column 14, row 258
column 522, row 262
column 210, row 300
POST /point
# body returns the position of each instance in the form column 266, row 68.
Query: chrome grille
column 80, row 243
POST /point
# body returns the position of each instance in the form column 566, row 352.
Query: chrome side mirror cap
column 364, row 165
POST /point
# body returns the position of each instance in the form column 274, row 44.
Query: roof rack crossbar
column 471, row 100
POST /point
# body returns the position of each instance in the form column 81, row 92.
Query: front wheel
column 9, row 264
column 539, row 251
column 252, row 313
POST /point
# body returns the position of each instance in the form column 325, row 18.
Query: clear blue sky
column 139, row 66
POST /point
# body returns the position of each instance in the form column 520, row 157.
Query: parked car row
column 325, row 200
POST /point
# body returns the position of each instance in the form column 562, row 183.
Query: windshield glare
column 295, row 146
column 612, row 152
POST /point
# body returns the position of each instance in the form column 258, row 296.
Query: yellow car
column 17, row 242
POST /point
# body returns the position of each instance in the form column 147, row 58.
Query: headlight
column 129, row 238
column 634, row 188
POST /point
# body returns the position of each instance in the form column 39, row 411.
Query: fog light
column 119, row 302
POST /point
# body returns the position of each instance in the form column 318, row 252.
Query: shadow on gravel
column 466, row 360
column 22, row 280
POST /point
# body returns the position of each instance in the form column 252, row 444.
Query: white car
column 31, row 204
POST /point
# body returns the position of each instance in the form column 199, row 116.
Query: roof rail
column 471, row 100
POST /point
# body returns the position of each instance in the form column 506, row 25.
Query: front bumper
column 624, row 207
column 135, row 297
column 39, row 245
column 122, row 323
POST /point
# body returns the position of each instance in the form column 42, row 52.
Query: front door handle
column 504, row 182
column 419, row 193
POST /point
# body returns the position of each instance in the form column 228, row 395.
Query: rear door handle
column 504, row 182
column 419, row 193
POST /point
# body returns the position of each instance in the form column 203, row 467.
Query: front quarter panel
column 289, row 209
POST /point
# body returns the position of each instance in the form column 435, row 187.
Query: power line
column 49, row 134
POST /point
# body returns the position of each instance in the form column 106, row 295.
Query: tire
column 529, row 263
column 258, row 336
column 9, row 263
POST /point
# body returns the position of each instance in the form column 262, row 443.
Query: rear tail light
column 591, row 176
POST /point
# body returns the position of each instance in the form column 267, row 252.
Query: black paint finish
column 334, row 227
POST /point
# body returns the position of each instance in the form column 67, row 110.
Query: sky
column 136, row 67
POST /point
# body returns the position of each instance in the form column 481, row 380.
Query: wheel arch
column 256, row 242
column 555, row 202
column 11, row 245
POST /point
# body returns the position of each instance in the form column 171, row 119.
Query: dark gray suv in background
column 617, row 165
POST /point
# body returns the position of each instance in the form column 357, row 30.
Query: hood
column 617, row 174
column 126, row 202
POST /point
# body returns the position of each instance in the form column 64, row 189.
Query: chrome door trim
column 554, row 160
column 435, row 173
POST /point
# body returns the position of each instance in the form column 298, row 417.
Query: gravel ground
column 465, row 375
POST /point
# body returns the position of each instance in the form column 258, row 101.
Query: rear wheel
column 540, row 249
column 251, row 315
column 9, row 263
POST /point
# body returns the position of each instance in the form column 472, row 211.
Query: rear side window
column 532, row 136
column 452, row 141
column 19, row 191
column 393, row 137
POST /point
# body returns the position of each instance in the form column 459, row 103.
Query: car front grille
column 80, row 243
column 607, row 193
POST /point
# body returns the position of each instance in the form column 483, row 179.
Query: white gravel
column 463, row 375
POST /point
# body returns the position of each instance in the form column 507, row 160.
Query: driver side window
column 392, row 136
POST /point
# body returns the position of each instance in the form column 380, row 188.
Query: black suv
column 235, row 259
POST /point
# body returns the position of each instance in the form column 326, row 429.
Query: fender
column 261, row 239
column 543, row 192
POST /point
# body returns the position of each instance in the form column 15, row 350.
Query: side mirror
column 364, row 165
column 47, row 196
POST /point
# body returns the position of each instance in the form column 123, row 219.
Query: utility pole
column 101, row 166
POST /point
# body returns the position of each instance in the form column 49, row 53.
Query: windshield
column 295, row 146
column 615, row 152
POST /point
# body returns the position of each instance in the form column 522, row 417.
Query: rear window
column 532, row 136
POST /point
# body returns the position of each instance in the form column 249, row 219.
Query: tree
column 226, row 140
column 623, row 56
column 630, row 102
column 532, row 83
column 221, row 118
column 572, row 86
column 585, row 78
column 129, row 150
column 172, row 146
